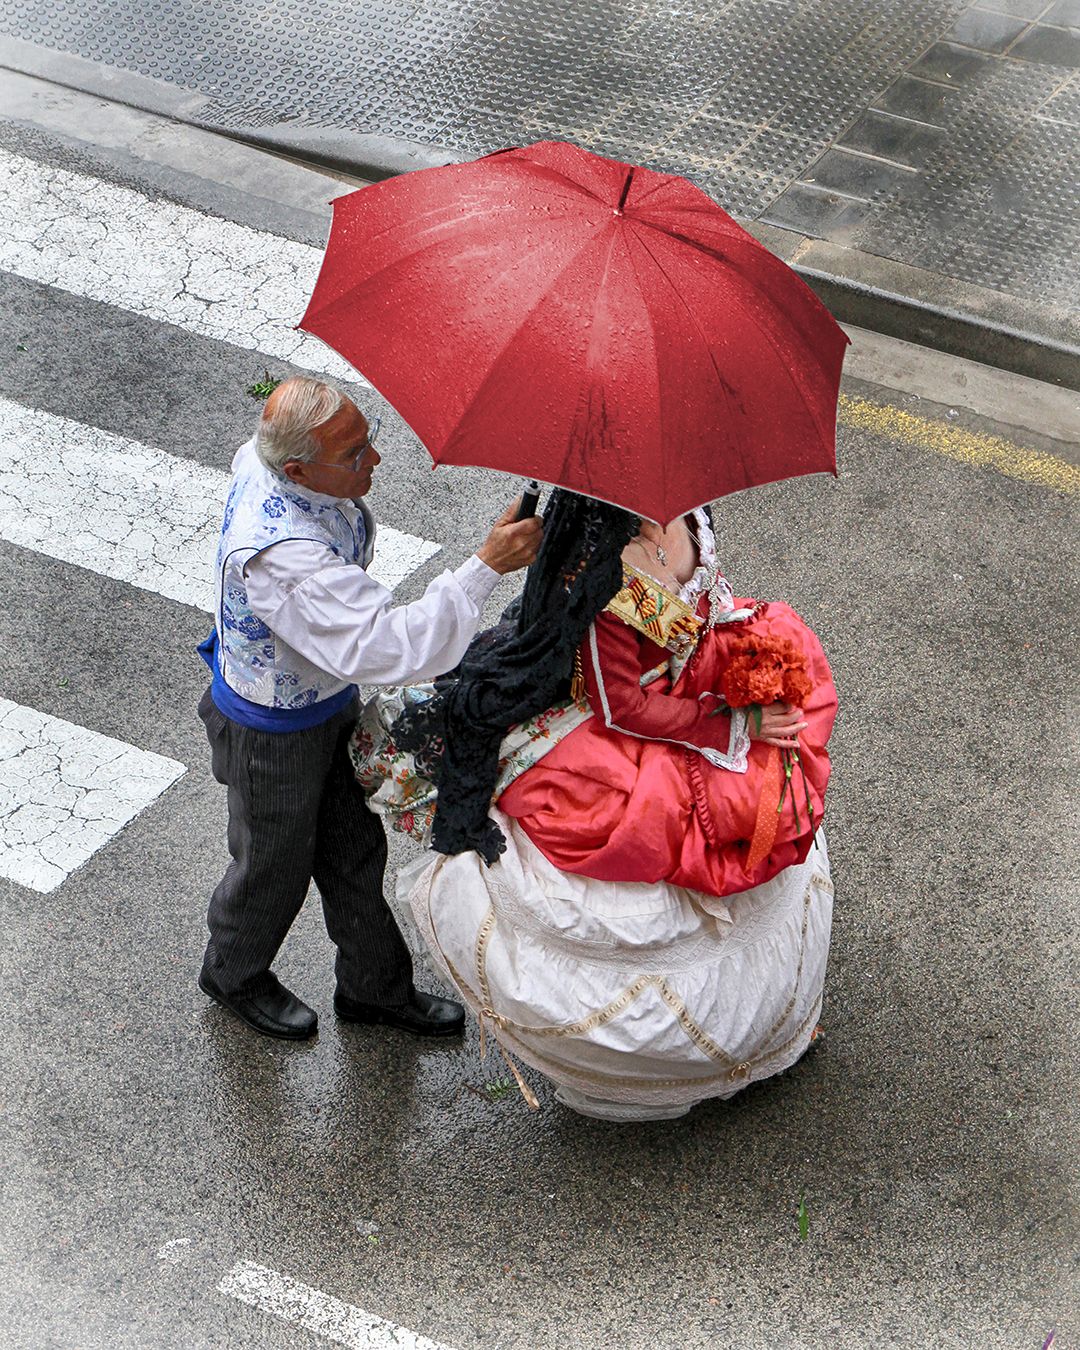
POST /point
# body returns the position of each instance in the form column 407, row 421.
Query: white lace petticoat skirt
column 636, row 999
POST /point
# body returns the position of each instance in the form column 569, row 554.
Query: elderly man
column 299, row 623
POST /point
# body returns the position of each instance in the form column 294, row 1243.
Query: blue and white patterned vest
column 264, row 508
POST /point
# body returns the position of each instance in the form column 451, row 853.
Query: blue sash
column 249, row 714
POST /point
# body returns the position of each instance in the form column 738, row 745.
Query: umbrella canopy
column 609, row 329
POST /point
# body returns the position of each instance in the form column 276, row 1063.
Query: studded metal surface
column 745, row 97
column 998, row 203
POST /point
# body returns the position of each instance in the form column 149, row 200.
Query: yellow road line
column 969, row 447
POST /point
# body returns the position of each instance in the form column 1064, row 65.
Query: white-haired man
column 299, row 624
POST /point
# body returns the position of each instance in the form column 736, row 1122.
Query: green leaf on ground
column 498, row 1088
column 20, row 346
column 804, row 1219
column 265, row 387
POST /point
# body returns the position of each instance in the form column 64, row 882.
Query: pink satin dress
column 629, row 795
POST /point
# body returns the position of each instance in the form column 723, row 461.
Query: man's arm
column 343, row 621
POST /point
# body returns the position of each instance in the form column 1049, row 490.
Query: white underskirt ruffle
column 636, row 999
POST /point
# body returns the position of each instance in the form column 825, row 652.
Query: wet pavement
column 152, row 1143
column 937, row 133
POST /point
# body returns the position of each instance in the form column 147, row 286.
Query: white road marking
column 205, row 275
column 317, row 1312
column 130, row 511
column 65, row 791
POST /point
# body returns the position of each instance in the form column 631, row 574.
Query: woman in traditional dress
column 614, row 893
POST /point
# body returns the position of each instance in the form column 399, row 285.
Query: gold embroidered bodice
column 650, row 609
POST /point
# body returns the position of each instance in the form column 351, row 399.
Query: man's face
column 345, row 462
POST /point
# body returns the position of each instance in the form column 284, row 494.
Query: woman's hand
column 780, row 725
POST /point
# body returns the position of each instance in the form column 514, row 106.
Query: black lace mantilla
column 515, row 670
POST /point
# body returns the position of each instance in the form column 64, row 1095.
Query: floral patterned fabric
column 401, row 794
column 264, row 508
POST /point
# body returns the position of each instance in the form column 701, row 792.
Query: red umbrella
column 560, row 316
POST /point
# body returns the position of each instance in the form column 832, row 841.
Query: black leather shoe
column 423, row 1014
column 274, row 1012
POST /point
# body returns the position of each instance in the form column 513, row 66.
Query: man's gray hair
column 295, row 409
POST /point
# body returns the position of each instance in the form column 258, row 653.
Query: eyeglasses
column 369, row 444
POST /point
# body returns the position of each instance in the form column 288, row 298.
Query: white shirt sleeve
column 342, row 620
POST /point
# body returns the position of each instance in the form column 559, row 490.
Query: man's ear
column 295, row 470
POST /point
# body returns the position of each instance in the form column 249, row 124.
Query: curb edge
column 860, row 288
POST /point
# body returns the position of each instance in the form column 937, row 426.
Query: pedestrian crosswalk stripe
column 65, row 791
column 208, row 276
column 131, row 511
column 319, row 1313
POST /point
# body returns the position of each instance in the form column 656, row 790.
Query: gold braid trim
column 504, row 1028
column 648, row 608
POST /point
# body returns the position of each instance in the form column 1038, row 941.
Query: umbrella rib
column 548, row 171
column 712, row 253
column 659, row 401
column 697, row 328
column 397, row 261
column 347, row 292
column 664, row 180
column 592, row 328
column 708, row 209
column 525, row 318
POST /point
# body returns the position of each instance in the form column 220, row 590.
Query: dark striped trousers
column 296, row 812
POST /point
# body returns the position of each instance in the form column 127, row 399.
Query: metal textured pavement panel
column 744, row 97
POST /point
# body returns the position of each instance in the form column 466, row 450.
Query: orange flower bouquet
column 766, row 669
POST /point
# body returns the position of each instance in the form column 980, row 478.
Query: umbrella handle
column 529, row 499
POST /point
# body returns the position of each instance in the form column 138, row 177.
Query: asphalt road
column 152, row 1144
